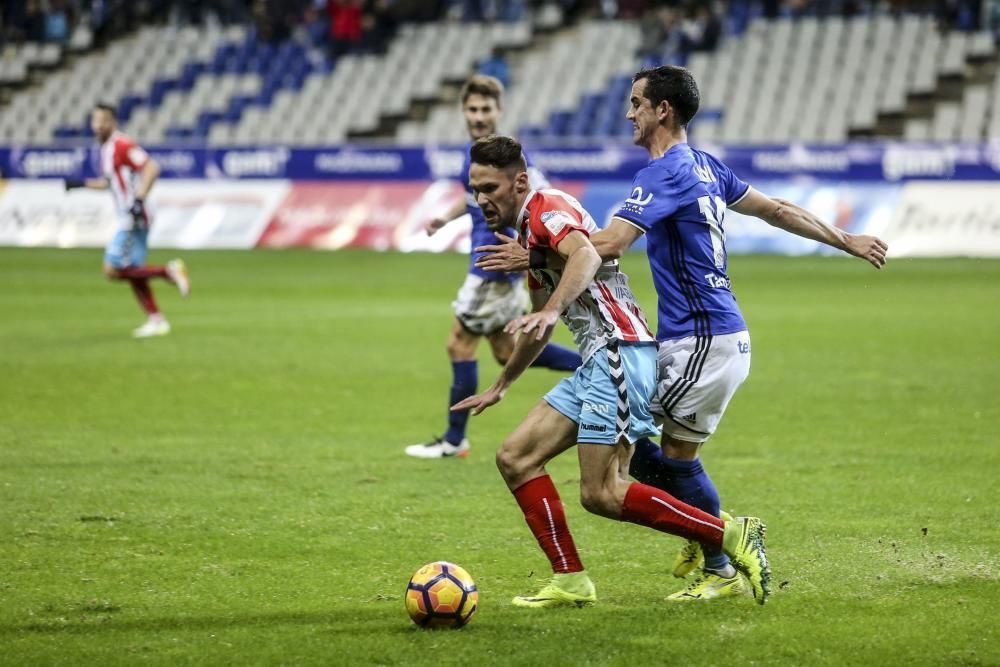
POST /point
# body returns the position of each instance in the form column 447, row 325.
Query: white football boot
column 439, row 448
column 154, row 326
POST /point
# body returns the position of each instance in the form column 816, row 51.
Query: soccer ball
column 441, row 595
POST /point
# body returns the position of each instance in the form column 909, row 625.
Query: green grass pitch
column 236, row 493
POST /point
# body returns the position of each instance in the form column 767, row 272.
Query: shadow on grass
column 345, row 621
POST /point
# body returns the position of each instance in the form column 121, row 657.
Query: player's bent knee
column 461, row 349
column 510, row 463
column 598, row 500
column 111, row 273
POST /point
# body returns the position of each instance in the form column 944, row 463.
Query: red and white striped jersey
column 607, row 310
column 121, row 161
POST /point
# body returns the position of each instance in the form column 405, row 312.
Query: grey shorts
column 484, row 307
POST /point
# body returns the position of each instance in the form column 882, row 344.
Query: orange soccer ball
column 441, row 595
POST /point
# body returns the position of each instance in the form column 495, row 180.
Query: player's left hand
column 869, row 248
column 138, row 212
column 508, row 255
column 479, row 402
column 543, row 322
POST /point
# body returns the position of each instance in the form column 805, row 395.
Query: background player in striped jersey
column 603, row 407
column 129, row 173
column 679, row 201
column 487, row 300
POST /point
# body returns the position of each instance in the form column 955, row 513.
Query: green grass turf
column 236, row 493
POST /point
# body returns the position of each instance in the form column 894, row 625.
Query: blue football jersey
column 680, row 201
column 481, row 232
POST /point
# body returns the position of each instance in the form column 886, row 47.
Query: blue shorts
column 609, row 396
column 128, row 247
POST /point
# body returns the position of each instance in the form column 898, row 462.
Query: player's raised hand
column 479, row 402
column 508, row 255
column 434, row 225
column 869, row 248
column 541, row 322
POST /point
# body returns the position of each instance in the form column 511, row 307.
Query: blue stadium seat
column 559, row 123
column 178, row 133
column 127, row 104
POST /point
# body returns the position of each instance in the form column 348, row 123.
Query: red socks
column 144, row 294
column 131, row 272
column 648, row 506
column 543, row 510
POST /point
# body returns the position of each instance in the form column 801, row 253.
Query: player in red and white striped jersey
column 604, row 407
column 606, row 311
column 129, row 173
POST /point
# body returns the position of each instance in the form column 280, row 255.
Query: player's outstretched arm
column 793, row 218
column 91, row 183
column 436, row 224
column 612, row 241
column 526, row 350
column 508, row 255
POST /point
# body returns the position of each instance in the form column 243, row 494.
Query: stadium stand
column 789, row 80
column 808, row 78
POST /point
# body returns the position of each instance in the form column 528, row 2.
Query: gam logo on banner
column 257, row 162
column 51, row 163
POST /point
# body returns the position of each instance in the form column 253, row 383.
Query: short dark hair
column 102, row 106
column 482, row 84
column 500, row 152
column 676, row 86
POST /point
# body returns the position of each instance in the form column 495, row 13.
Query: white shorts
column 697, row 378
column 484, row 307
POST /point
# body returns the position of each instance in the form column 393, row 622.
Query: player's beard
column 498, row 224
column 638, row 135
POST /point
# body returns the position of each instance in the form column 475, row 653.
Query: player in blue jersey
column 679, row 200
column 487, row 300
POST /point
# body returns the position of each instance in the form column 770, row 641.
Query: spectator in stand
column 57, row 22
column 34, row 22
column 379, row 25
column 669, row 34
column 632, row 9
column 345, row 25
column 420, row 10
column 702, row 30
column 654, row 31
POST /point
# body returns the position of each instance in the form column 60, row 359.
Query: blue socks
column 558, row 358
column 685, row 480
column 464, row 380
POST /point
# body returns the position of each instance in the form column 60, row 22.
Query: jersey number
column 714, row 216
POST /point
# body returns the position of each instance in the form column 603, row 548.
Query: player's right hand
column 138, row 212
column 508, row 255
column 542, row 322
column 73, row 183
column 434, row 225
column 869, row 248
column 479, row 402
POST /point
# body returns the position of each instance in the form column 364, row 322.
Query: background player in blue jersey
column 487, row 300
column 679, row 200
